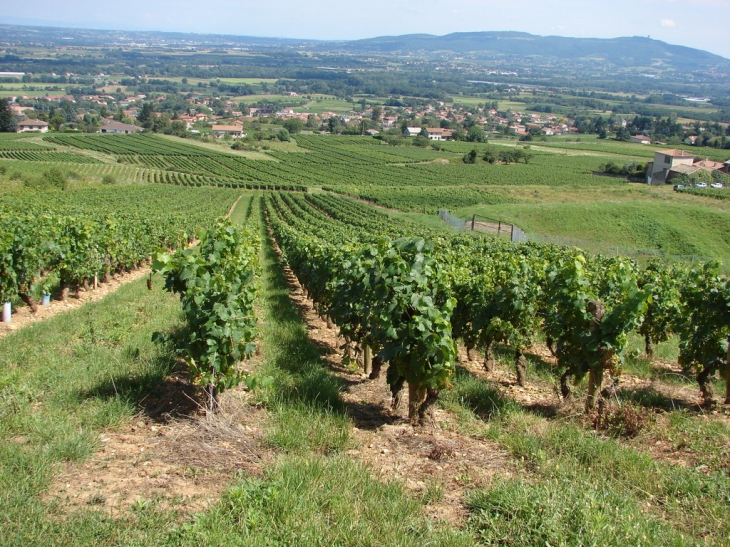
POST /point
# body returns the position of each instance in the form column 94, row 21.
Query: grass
column 306, row 409
column 222, row 146
column 675, row 228
column 318, row 501
column 320, row 105
column 577, row 488
column 62, row 381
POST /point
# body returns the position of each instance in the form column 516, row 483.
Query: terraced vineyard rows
column 87, row 234
column 37, row 155
column 508, row 294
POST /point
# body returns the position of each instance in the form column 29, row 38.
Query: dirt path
column 435, row 461
column 171, row 452
column 22, row 317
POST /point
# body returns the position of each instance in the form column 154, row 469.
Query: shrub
column 108, row 179
column 622, row 420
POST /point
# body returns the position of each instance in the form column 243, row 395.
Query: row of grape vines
column 502, row 293
column 90, row 234
column 348, row 166
column 217, row 282
column 388, row 294
column 36, row 155
column 136, row 144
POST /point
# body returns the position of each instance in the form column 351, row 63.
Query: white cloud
column 668, row 23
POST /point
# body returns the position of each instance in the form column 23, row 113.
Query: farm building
column 119, row 128
column 665, row 161
column 235, row 131
column 33, row 125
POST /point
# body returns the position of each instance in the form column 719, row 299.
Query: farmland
column 484, row 332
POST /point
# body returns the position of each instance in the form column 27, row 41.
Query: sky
column 702, row 24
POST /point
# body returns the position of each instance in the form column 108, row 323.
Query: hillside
column 625, row 52
column 622, row 52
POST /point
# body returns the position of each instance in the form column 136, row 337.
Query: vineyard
column 289, row 339
column 79, row 238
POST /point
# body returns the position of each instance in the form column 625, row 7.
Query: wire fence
column 500, row 228
column 479, row 223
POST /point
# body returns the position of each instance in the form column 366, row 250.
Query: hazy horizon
column 678, row 22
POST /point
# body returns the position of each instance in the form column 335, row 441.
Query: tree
column 293, row 125
column 56, row 122
column 282, row 134
column 623, row 135
column 490, row 155
column 8, row 123
column 146, row 116
column 421, row 141
column 476, row 134
column 470, row 157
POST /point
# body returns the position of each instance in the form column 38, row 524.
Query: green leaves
column 217, row 284
column 392, row 293
column 591, row 309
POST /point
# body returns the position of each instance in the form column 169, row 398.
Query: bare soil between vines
column 171, row 454
column 434, row 458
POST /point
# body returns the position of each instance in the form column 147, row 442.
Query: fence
column 484, row 224
column 504, row 229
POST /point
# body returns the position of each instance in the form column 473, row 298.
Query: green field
column 554, row 195
column 103, row 435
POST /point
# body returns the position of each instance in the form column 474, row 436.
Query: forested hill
column 628, row 51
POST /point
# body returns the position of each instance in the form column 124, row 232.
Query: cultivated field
column 377, row 377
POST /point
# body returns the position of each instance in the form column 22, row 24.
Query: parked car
column 679, row 187
column 701, row 185
column 717, row 185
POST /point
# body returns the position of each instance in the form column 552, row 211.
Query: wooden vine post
column 727, row 374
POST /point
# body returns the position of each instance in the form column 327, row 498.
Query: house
column 439, row 134
column 118, row 128
column 372, row 132
column 412, row 131
column 641, row 139
column 235, row 131
column 189, row 121
column 389, row 121
column 33, row 125
column 665, row 161
column 709, row 165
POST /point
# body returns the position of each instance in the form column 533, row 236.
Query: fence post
column 499, row 227
column 473, row 221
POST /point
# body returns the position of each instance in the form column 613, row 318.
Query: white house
column 665, row 161
column 33, row 125
column 118, row 128
column 412, row 131
column 235, row 131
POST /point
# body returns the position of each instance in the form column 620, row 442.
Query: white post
column 7, row 309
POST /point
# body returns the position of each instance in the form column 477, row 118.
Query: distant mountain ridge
column 625, row 51
column 634, row 52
